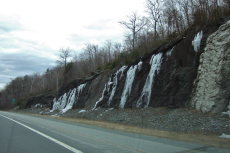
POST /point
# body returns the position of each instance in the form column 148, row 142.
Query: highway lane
column 14, row 137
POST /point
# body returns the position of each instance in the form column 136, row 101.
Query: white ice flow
column 70, row 101
column 169, row 52
column 66, row 101
column 197, row 40
column 115, row 82
column 108, row 85
column 128, row 83
column 102, row 96
column 155, row 63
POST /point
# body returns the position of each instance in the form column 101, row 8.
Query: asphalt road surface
column 29, row 134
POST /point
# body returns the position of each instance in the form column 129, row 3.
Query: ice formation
column 111, row 85
column 128, row 83
column 66, row 101
column 196, row 41
column 225, row 136
column 228, row 112
column 80, row 88
column 102, row 96
column 115, row 82
column 70, row 101
column 82, row 111
column 38, row 106
column 155, row 63
column 169, row 52
column 139, row 65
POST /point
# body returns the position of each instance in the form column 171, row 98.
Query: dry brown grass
column 210, row 140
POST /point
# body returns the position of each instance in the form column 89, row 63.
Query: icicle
column 115, row 82
column 196, row 41
column 102, row 97
column 169, row 52
column 108, row 86
column 139, row 65
column 70, row 102
column 155, row 63
column 122, row 69
column 63, row 102
column 80, row 88
column 55, row 104
column 66, row 101
column 128, row 85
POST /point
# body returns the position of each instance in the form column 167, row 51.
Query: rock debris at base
column 174, row 120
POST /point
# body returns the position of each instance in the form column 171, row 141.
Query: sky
column 33, row 31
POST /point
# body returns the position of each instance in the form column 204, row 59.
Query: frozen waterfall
column 66, row 101
column 128, row 83
column 155, row 63
column 102, row 96
column 112, row 81
column 70, row 101
column 197, row 40
column 115, row 82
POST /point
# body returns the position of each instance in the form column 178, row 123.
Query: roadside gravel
column 163, row 119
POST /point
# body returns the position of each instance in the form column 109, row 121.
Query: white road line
column 46, row 136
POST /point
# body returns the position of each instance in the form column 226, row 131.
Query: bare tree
column 108, row 48
column 186, row 9
column 64, row 55
column 154, row 9
column 117, row 49
column 91, row 50
column 135, row 24
column 173, row 15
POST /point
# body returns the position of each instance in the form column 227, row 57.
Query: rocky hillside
column 192, row 71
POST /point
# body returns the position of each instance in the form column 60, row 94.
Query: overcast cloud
column 32, row 31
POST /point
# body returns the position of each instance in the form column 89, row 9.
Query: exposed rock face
column 212, row 92
column 45, row 99
column 162, row 78
column 80, row 93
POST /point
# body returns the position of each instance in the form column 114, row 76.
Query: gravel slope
column 164, row 119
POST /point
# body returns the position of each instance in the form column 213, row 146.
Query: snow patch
column 105, row 112
column 56, row 115
column 38, row 106
column 228, row 112
column 197, row 40
column 82, row 111
column 225, row 136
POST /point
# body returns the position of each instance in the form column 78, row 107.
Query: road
column 23, row 133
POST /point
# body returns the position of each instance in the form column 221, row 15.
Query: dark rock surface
column 45, row 100
column 173, row 84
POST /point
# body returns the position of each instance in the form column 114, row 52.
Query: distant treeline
column 164, row 20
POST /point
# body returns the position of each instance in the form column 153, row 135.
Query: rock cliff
column 192, row 71
column 212, row 91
